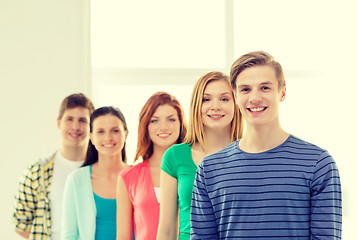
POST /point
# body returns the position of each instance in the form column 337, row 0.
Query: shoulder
column 134, row 170
column 306, row 151
column 177, row 151
column 42, row 164
column 300, row 146
column 182, row 147
column 215, row 160
column 47, row 161
column 78, row 188
column 227, row 151
column 80, row 174
column 176, row 157
column 176, row 154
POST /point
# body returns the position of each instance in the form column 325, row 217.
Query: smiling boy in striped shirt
column 269, row 184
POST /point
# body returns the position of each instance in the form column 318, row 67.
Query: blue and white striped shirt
column 289, row 192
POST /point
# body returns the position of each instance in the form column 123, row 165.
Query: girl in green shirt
column 214, row 123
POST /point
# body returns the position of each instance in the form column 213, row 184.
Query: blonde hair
column 195, row 133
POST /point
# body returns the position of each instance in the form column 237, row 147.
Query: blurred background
column 121, row 52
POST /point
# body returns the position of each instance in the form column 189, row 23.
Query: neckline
column 95, row 194
column 147, row 167
column 65, row 161
column 107, row 199
column 278, row 146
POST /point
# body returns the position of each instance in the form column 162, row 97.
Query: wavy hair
column 144, row 143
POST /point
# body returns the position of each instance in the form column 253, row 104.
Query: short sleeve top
column 178, row 163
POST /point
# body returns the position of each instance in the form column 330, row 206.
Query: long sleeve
column 25, row 204
column 69, row 212
column 326, row 201
column 202, row 218
column 78, row 209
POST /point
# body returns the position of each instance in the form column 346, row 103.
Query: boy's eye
column 245, row 90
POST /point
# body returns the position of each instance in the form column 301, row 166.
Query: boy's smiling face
column 258, row 95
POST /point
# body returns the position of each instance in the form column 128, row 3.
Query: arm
column 25, row 205
column 168, row 217
column 326, row 201
column 202, row 218
column 124, row 212
column 69, row 229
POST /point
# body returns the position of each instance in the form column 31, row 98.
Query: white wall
column 43, row 58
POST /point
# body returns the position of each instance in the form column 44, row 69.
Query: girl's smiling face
column 217, row 109
column 108, row 135
column 164, row 126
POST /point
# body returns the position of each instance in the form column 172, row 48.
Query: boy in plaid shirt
column 38, row 201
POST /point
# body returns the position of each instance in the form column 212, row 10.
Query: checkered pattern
column 32, row 205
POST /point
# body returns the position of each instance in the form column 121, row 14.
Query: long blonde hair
column 195, row 133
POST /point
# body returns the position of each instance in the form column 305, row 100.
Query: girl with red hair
column 161, row 124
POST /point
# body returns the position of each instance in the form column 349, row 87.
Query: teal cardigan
column 79, row 210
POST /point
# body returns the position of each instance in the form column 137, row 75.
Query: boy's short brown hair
column 253, row 59
column 75, row 100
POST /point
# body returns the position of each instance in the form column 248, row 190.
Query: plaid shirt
column 32, row 206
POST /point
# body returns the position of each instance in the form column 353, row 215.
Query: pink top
column 142, row 196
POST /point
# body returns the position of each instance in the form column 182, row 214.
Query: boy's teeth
column 256, row 109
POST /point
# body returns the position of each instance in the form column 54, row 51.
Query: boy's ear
column 58, row 123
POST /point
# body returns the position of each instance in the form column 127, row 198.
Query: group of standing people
column 204, row 180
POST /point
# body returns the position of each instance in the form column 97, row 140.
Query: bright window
column 158, row 34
